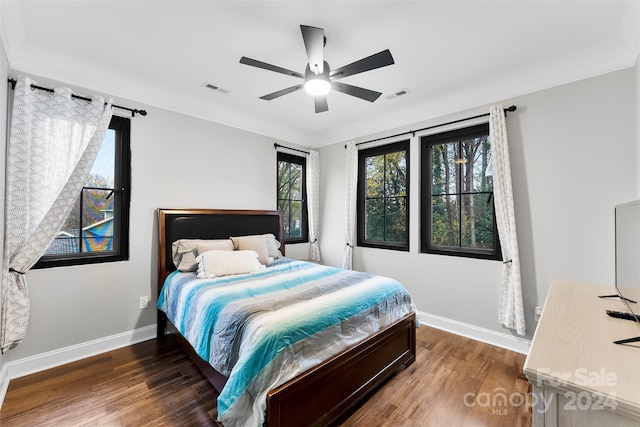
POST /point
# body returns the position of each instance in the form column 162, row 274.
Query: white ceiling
column 450, row 55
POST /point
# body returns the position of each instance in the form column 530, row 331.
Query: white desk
column 579, row 377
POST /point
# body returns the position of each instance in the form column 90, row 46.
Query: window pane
column 396, row 174
column 292, row 216
column 295, row 220
column 477, row 222
column 103, row 169
column 395, row 220
column 283, row 181
column 444, row 168
column 374, row 219
column 295, row 176
column 476, row 165
column 283, row 206
column 97, row 220
column 375, row 176
column 444, row 220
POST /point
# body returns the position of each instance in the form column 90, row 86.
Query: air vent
column 401, row 92
column 214, row 87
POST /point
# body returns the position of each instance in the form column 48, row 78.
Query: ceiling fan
column 318, row 78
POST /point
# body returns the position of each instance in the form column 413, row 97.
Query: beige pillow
column 257, row 243
column 224, row 263
column 185, row 251
column 214, row 245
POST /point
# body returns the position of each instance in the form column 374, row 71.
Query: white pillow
column 273, row 246
column 224, row 263
column 185, row 251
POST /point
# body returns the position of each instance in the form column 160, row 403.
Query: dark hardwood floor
column 455, row 381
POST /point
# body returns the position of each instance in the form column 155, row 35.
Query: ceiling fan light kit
column 319, row 79
column 317, row 83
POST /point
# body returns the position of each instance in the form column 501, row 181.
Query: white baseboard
column 4, row 383
column 32, row 364
column 509, row 342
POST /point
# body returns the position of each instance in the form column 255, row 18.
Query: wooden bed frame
column 323, row 394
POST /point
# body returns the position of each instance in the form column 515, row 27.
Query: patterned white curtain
column 54, row 141
column 351, row 182
column 511, row 313
column 313, row 203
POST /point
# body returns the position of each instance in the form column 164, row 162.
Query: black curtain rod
column 276, row 145
column 134, row 111
column 413, row 132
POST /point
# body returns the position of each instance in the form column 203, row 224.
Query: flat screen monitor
column 627, row 219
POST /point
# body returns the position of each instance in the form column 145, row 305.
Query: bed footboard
column 321, row 395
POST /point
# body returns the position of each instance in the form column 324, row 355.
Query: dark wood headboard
column 174, row 224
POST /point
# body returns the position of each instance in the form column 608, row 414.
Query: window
column 457, row 203
column 383, row 196
column 97, row 229
column 292, row 195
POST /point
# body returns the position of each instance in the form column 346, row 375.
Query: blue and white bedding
column 264, row 328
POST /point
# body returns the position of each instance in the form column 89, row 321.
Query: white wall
column 177, row 162
column 574, row 157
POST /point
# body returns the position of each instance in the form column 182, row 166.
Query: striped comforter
column 263, row 329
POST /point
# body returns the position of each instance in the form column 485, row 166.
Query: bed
column 318, row 394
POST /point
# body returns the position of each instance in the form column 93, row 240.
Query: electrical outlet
column 144, row 302
column 538, row 313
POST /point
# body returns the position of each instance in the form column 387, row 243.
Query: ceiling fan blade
column 378, row 60
column 358, row 92
column 265, row 66
column 321, row 104
column 282, row 92
column 313, row 38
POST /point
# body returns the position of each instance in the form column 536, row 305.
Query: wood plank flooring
column 455, row 381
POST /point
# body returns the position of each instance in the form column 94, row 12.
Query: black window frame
column 426, row 167
column 122, row 202
column 363, row 154
column 304, row 229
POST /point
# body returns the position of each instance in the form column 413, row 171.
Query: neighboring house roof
column 96, row 237
column 101, row 228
